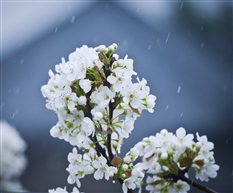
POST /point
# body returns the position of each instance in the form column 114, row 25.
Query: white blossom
column 209, row 170
column 82, row 89
column 102, row 169
column 58, row 190
column 166, row 152
column 135, row 180
column 85, row 84
column 13, row 160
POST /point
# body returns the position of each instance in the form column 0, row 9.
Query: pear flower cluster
column 92, row 92
column 167, row 157
column 13, row 160
column 97, row 103
column 88, row 163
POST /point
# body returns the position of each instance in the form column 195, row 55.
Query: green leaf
column 103, row 58
column 77, row 89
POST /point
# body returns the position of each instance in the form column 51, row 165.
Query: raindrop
column 202, row 27
column 106, row 6
column 202, row 45
column 149, row 47
column 15, row 113
column 21, row 60
column 178, row 89
column 168, row 35
column 72, row 19
column 167, row 107
column 181, row 114
column 226, row 142
column 138, row 10
column 181, row 5
column 16, row 91
column 55, row 29
column 225, row 88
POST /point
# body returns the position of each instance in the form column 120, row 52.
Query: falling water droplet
column 181, row 114
column 181, row 5
column 202, row 45
column 179, row 88
column 55, row 29
column 226, row 142
column 138, row 9
column 22, row 61
column 149, row 47
column 107, row 6
column 15, row 113
column 168, row 35
column 16, row 90
column 225, row 88
column 202, row 28
column 72, row 19
column 167, row 107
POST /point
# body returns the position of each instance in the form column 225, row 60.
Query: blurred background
column 183, row 49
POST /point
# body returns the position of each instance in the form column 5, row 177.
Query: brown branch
column 196, row 185
column 110, row 154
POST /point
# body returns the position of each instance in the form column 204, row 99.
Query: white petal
column 98, row 175
column 180, row 132
column 70, row 180
column 111, row 79
column 96, row 164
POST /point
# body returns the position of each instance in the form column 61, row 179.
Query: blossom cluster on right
column 166, row 158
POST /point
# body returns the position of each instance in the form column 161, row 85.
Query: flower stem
column 111, row 156
column 196, row 185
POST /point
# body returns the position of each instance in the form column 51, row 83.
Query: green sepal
column 77, row 89
column 103, row 58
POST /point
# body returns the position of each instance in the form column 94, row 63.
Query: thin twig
column 109, row 138
column 196, row 185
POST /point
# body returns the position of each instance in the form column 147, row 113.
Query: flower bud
column 124, row 167
column 164, row 156
column 164, row 132
column 113, row 47
column 100, row 48
column 134, row 152
column 127, row 159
